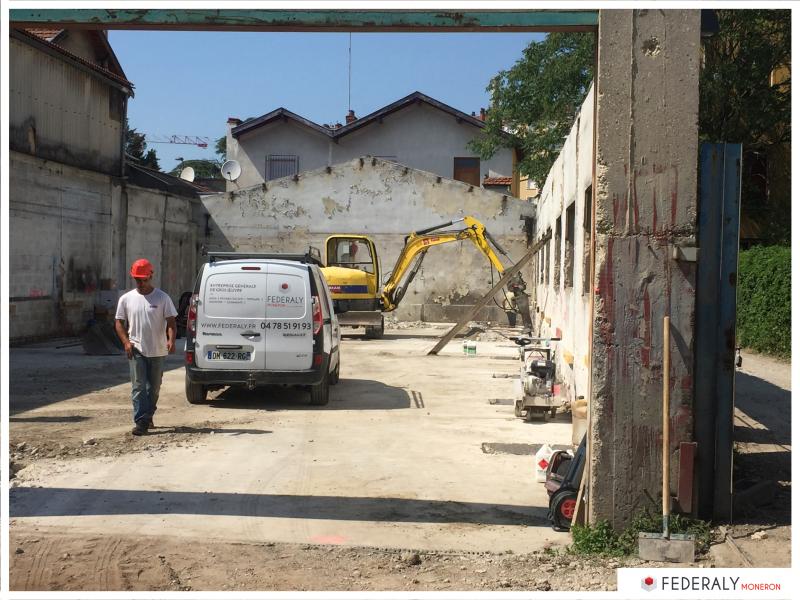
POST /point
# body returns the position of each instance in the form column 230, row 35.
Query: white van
column 258, row 319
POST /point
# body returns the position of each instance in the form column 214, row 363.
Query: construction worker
column 149, row 337
column 350, row 255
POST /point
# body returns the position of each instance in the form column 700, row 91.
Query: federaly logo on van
column 285, row 299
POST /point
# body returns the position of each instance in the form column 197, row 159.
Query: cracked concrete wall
column 646, row 202
column 385, row 201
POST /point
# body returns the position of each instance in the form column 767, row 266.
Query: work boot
column 150, row 424
column 140, row 428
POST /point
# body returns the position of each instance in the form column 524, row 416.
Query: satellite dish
column 187, row 174
column 231, row 169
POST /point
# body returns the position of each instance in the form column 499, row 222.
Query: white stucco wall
column 252, row 149
column 420, row 136
column 564, row 310
column 386, row 201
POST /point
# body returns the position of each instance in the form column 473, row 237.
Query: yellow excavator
column 352, row 271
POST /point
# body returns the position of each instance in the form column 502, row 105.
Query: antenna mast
column 349, row 69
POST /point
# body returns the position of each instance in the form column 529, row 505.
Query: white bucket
column 542, row 459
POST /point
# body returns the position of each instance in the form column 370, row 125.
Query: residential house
column 416, row 131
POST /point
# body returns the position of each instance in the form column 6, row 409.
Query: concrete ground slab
column 397, row 459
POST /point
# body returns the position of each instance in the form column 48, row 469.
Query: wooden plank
column 579, row 516
column 686, row 475
column 510, row 272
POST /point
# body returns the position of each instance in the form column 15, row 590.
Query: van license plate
column 219, row 355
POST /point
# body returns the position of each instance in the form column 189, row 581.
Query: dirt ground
column 417, row 476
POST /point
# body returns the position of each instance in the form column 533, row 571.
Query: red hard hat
column 141, row 269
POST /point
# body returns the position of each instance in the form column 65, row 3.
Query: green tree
column 135, row 145
column 745, row 96
column 221, row 148
column 136, row 148
column 537, row 100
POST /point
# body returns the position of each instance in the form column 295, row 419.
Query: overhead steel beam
column 308, row 20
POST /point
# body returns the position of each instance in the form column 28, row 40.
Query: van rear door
column 230, row 316
column 288, row 329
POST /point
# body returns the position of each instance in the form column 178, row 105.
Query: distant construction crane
column 191, row 140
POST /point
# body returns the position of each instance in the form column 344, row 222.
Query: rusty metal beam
column 308, row 20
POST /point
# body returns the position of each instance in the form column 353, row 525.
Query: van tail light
column 316, row 314
column 189, row 357
column 191, row 317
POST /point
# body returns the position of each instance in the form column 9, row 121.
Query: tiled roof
column 497, row 181
column 46, row 34
column 338, row 132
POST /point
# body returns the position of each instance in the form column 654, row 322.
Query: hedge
column 764, row 311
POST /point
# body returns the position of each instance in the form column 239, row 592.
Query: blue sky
column 189, row 83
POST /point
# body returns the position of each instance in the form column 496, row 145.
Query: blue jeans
column 146, row 376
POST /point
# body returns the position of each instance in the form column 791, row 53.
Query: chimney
column 337, row 126
column 234, row 121
column 483, row 114
column 351, row 116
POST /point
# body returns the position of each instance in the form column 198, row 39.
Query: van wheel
column 374, row 332
column 195, row 392
column 320, row 393
column 335, row 374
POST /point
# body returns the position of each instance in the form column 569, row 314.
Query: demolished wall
column 385, row 201
column 562, row 295
column 607, row 300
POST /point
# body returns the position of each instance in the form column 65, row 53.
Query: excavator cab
column 351, row 253
column 352, row 271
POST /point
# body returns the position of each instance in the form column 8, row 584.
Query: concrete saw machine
column 536, row 396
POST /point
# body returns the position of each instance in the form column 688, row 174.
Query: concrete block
column 676, row 549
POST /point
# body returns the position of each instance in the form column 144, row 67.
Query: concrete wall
column 419, row 136
column 562, row 308
column 60, row 112
column 386, row 201
column 73, row 234
column 646, row 202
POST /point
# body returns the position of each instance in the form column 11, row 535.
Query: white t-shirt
column 147, row 320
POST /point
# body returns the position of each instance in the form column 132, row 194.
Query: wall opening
column 557, row 255
column 569, row 247
column 547, row 258
column 587, row 239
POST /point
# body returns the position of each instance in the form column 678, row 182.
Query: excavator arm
column 419, row 242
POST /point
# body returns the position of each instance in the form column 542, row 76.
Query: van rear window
column 241, row 295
